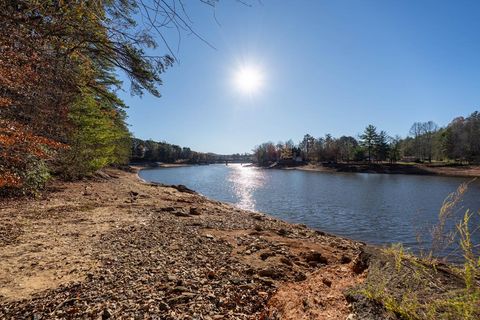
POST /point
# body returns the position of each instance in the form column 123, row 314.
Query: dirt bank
column 120, row 248
column 396, row 168
column 152, row 165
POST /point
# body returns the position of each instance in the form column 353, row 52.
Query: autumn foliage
column 31, row 115
column 59, row 113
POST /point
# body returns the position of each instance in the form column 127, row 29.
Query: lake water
column 375, row 208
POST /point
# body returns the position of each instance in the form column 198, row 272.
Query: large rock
column 272, row 273
column 362, row 261
column 183, row 188
column 314, row 257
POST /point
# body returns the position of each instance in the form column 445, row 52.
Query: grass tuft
column 418, row 288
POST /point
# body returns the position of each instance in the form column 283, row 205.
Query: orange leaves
column 17, row 141
column 8, row 179
column 5, row 102
column 50, row 56
column 35, row 89
column 17, row 69
column 18, row 147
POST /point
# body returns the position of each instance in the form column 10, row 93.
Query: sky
column 327, row 66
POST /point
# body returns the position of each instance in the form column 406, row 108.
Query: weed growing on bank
column 422, row 287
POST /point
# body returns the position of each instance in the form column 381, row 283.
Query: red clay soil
column 321, row 296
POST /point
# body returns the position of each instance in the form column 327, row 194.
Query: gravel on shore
column 116, row 247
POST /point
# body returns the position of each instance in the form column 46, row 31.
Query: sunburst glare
column 249, row 79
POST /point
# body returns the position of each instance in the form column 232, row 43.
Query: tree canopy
column 459, row 142
column 59, row 112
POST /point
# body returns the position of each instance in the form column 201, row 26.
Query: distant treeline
column 458, row 142
column 149, row 151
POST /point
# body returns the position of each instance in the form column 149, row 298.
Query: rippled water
column 375, row 208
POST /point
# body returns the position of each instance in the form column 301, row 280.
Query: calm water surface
column 375, row 208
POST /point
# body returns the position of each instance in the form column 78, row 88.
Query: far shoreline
column 460, row 171
column 153, row 165
column 443, row 170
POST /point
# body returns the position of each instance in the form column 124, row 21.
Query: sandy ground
column 466, row 171
column 415, row 169
column 117, row 247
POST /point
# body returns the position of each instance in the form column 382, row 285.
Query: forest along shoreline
column 114, row 246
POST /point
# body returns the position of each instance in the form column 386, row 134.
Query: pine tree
column 368, row 140
column 382, row 147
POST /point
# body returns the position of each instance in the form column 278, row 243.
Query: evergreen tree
column 368, row 140
column 382, row 147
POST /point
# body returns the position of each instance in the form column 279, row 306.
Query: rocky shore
column 471, row 171
column 118, row 248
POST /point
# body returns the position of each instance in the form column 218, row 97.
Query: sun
column 249, row 79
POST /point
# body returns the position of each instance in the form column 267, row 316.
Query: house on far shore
column 289, row 157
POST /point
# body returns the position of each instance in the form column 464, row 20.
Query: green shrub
column 99, row 138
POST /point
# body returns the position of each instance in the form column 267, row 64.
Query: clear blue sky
column 329, row 66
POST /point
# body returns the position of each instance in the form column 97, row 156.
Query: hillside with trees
column 59, row 110
column 457, row 143
column 149, row 151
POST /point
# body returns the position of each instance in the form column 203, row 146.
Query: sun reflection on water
column 245, row 180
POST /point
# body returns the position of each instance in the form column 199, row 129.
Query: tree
column 99, row 138
column 382, row 147
column 32, row 102
column 423, row 139
column 307, row 147
column 368, row 140
column 319, row 149
column 56, row 56
column 472, row 133
column 461, row 139
column 428, row 131
column 347, row 146
column 416, row 132
column 395, row 148
column 265, row 153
